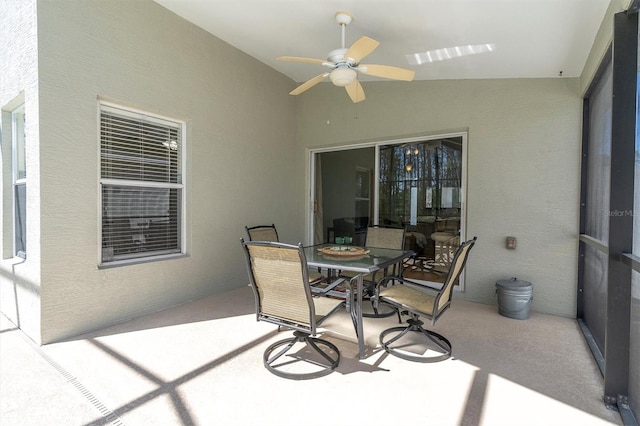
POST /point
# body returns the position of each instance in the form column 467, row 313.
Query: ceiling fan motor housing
column 336, row 56
column 344, row 64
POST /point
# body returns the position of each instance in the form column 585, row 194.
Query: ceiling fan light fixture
column 345, row 65
column 342, row 76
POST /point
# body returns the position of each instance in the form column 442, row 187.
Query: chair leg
column 288, row 369
column 377, row 314
column 443, row 346
column 368, row 295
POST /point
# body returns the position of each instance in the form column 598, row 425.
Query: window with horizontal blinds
column 141, row 185
column 19, row 166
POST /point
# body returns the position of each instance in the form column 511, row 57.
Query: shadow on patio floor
column 201, row 364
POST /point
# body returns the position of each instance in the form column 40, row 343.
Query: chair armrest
column 375, row 299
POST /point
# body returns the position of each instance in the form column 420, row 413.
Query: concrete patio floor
column 201, row 364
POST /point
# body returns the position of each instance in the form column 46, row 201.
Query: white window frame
column 18, row 158
column 181, row 186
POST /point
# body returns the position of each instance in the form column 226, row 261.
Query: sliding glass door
column 417, row 184
column 343, row 194
column 420, row 189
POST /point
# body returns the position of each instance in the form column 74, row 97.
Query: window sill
column 14, row 260
column 128, row 262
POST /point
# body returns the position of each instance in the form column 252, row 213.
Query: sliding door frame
column 376, row 179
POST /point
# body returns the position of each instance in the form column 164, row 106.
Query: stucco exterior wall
column 523, row 167
column 248, row 147
column 240, row 143
column 20, row 283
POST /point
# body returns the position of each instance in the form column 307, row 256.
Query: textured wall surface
column 20, row 284
column 523, row 167
column 240, row 144
column 248, row 144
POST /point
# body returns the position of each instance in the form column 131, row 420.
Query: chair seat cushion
column 315, row 276
column 443, row 237
column 325, row 305
column 409, row 298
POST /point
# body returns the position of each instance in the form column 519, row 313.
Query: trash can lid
column 513, row 283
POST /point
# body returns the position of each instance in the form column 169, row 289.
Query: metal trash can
column 514, row 298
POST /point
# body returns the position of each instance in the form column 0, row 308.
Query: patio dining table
column 362, row 260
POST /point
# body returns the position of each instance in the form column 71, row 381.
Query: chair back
column 385, row 237
column 443, row 300
column 280, row 282
column 344, row 227
column 262, row 233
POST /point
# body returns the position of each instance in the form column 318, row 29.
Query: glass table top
column 353, row 258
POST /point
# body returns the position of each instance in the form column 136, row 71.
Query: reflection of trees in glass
column 430, row 166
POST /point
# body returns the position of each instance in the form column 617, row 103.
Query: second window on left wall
column 19, row 183
column 142, row 191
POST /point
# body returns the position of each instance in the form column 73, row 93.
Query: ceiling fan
column 344, row 64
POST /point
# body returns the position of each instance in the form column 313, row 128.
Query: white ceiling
column 530, row 38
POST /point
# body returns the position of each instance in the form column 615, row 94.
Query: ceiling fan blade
column 355, row 91
column 301, row 59
column 361, row 48
column 386, row 71
column 308, row 84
